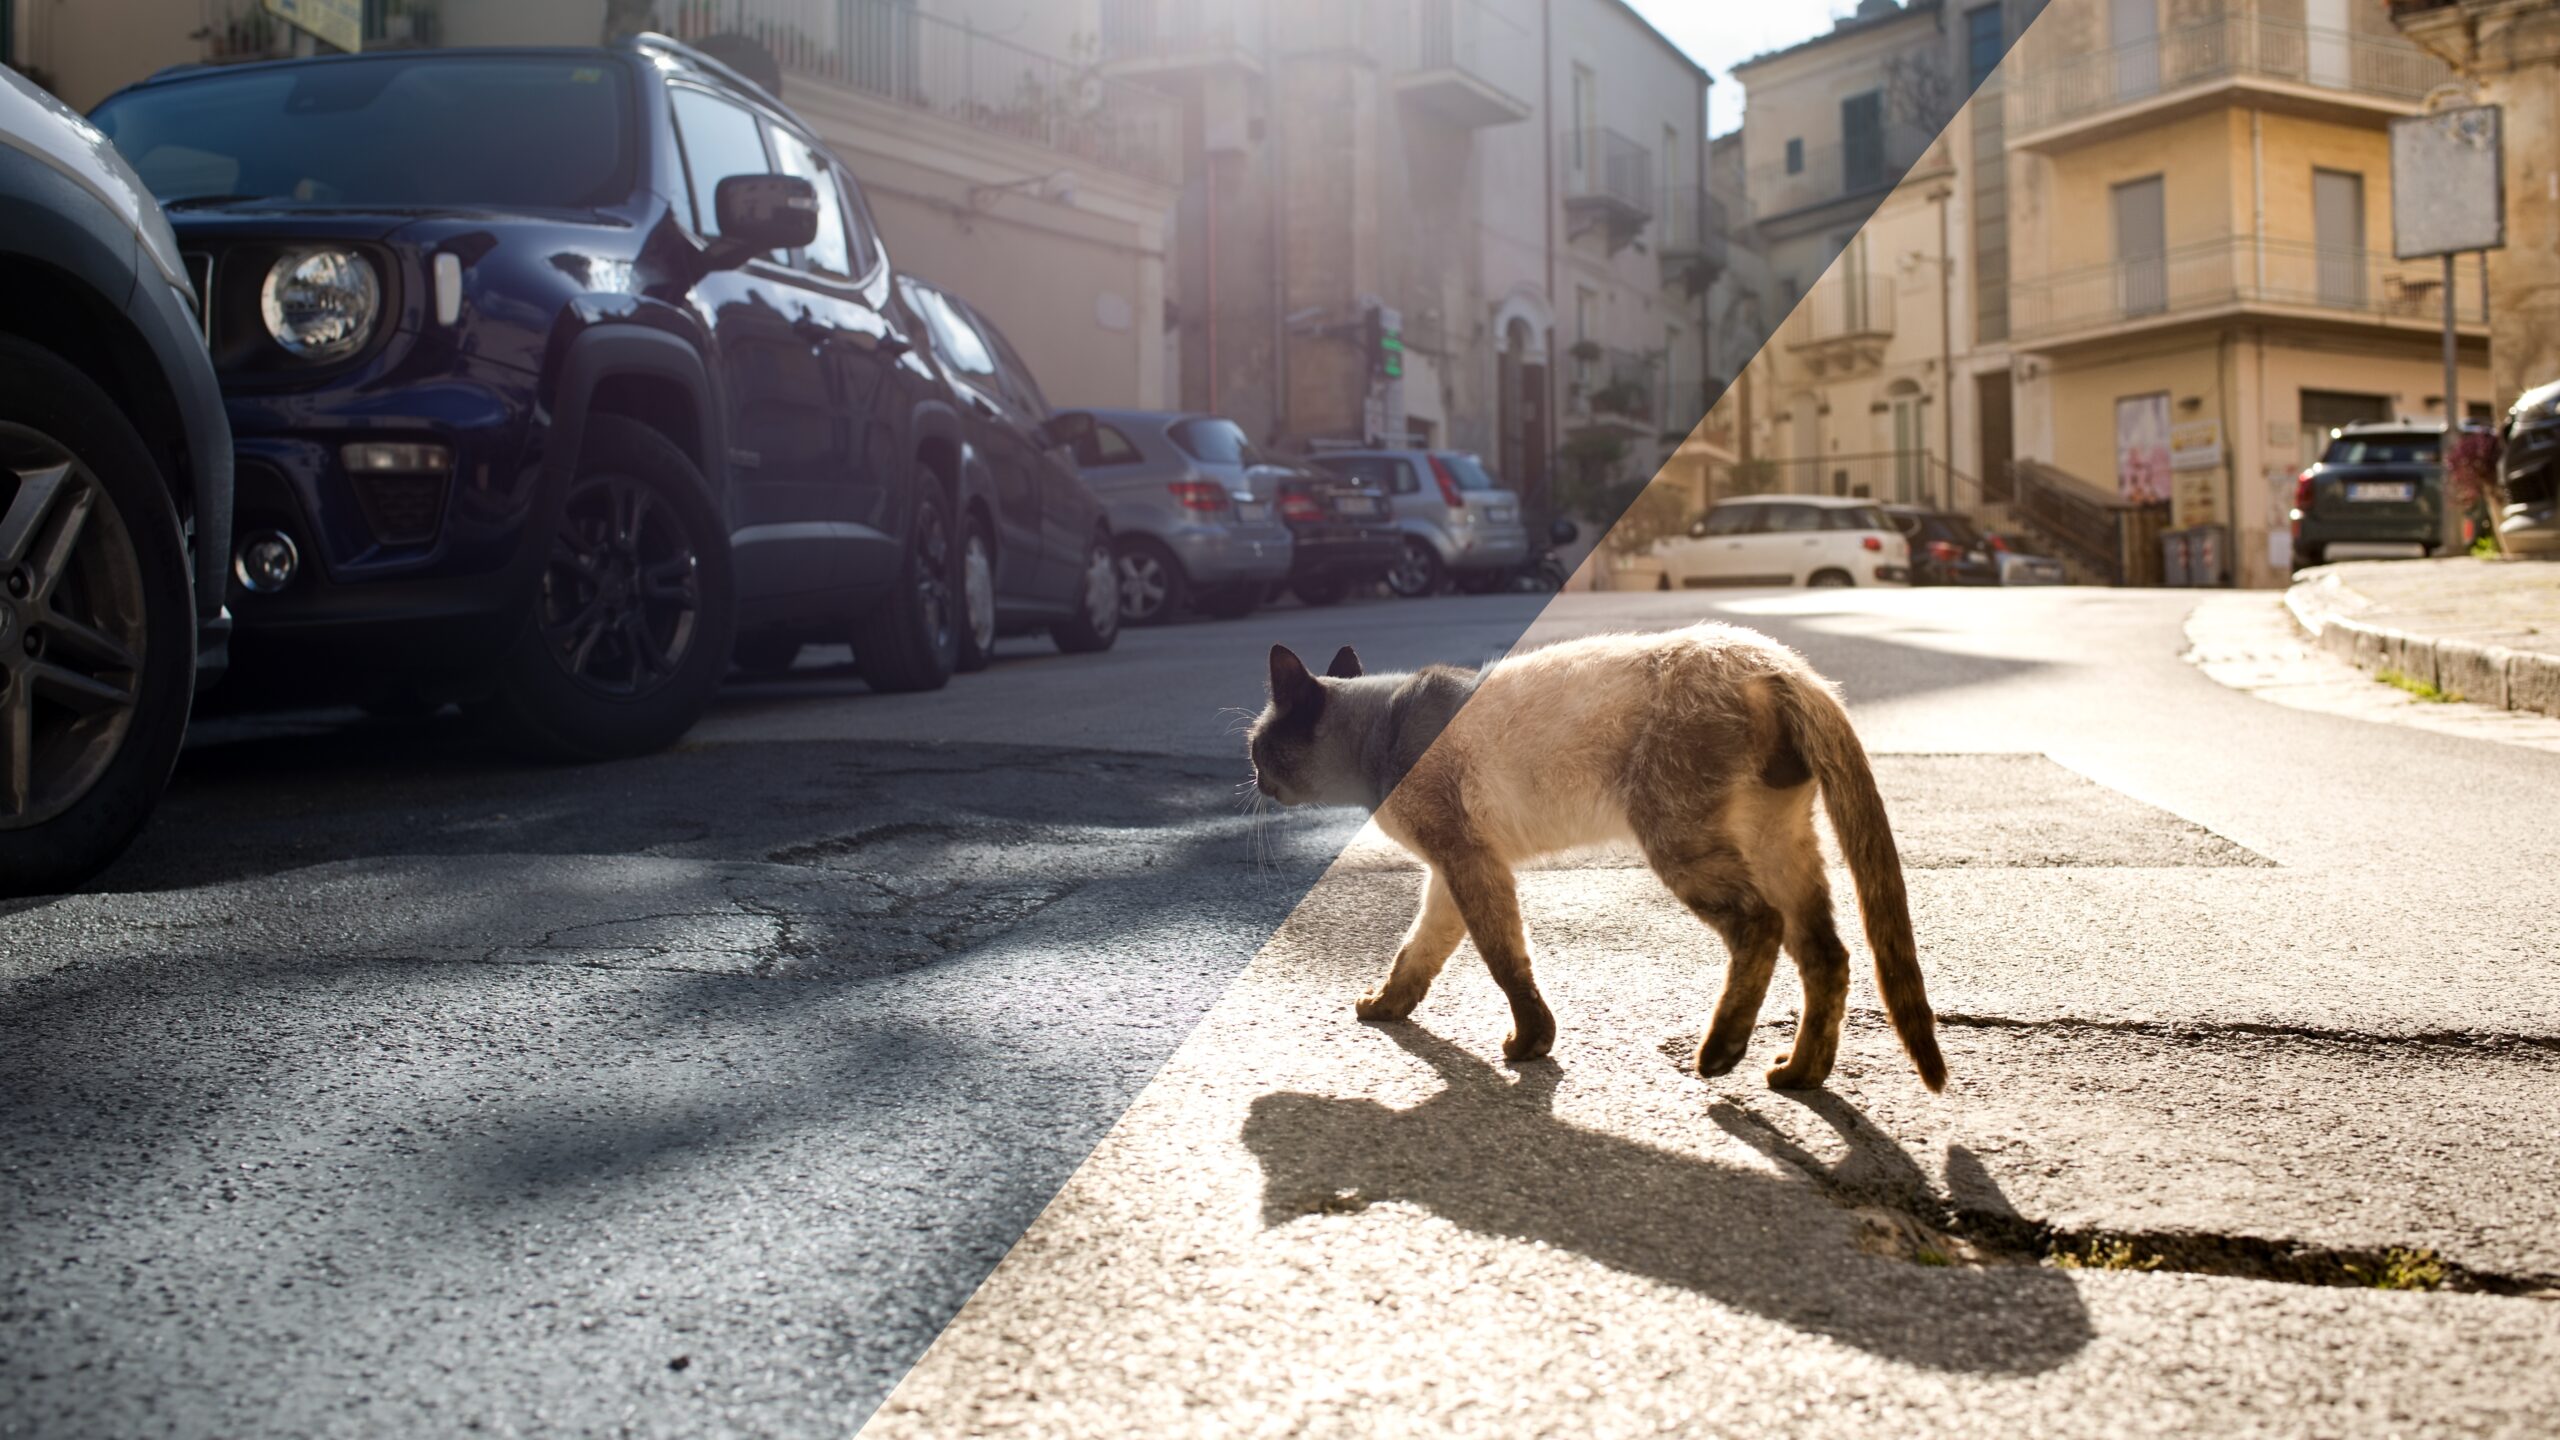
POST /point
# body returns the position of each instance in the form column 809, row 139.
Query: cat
column 1704, row 746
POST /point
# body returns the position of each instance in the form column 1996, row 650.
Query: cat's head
column 1302, row 745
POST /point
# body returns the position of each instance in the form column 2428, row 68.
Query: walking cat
column 1703, row 746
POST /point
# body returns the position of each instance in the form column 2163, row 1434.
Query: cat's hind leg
column 1437, row 928
column 1716, row 886
column 1822, row 964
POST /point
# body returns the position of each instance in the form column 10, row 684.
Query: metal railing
column 1466, row 37
column 1843, row 307
column 1690, row 225
column 1897, row 477
column 1824, row 173
column 1615, row 383
column 953, row 71
column 2115, row 538
column 2232, row 47
column 1601, row 165
column 2242, row 270
column 1182, row 30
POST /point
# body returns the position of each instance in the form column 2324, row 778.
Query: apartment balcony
column 890, row 52
column 1611, row 394
column 1608, row 185
column 1465, row 64
column 2278, row 64
column 1828, row 174
column 1843, row 327
column 233, row 30
column 1166, row 37
column 1689, row 235
column 2242, row 276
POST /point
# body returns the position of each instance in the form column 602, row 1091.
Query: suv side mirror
column 758, row 213
column 1067, row 430
column 1698, row 528
column 1563, row 532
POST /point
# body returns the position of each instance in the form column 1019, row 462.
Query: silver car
column 1187, row 525
column 1459, row 523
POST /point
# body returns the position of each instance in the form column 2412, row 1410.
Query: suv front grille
column 401, row 509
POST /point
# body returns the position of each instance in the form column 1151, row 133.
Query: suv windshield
column 1463, row 468
column 2383, row 449
column 1214, row 441
column 411, row 132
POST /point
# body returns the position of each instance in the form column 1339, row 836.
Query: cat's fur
column 1704, row 746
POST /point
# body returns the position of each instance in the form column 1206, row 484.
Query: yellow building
column 2200, row 238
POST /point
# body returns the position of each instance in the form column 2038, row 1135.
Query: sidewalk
column 2484, row 630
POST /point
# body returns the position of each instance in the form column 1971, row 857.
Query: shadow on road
column 1487, row 1153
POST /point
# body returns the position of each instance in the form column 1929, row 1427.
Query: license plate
column 1501, row 515
column 1252, row 510
column 1355, row 505
column 2381, row 490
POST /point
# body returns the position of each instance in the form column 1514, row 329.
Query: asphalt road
column 391, row 1088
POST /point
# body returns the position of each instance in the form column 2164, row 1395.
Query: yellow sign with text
column 334, row 22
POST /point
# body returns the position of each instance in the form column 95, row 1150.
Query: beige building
column 1014, row 175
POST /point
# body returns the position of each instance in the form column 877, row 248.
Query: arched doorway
column 1526, row 441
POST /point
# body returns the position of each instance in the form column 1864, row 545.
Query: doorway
column 2331, row 39
column 2337, row 224
column 1991, row 406
column 2134, row 29
column 2142, row 246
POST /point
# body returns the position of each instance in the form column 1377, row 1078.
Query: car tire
column 2304, row 557
column 911, row 641
column 634, row 616
column 1230, row 602
column 977, row 597
column 1418, row 572
column 764, row 654
column 82, row 500
column 1152, row 585
column 1095, row 627
column 1320, row 590
column 1830, row 579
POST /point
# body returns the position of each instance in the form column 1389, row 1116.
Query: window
column 2337, row 223
column 2384, row 449
column 1981, row 43
column 2142, row 245
column 1791, row 519
column 954, row 338
column 1795, row 157
column 720, row 140
column 1862, row 141
column 826, row 253
column 1853, row 517
column 1214, row 440
column 1394, row 476
column 1107, row 445
column 861, row 234
column 1462, row 467
column 1733, row 520
column 1017, row 371
column 1586, row 117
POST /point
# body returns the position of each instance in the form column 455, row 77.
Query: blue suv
column 551, row 373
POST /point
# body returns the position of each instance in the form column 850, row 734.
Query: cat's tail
column 1813, row 718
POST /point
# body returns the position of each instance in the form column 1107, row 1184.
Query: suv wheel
column 1417, row 571
column 634, row 616
column 1096, row 625
column 977, row 597
column 1152, row 585
column 911, row 641
column 1829, row 580
column 97, row 626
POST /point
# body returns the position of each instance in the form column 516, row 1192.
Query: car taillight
column 1449, row 495
column 1299, row 505
column 1996, row 541
column 1942, row 550
column 2302, row 491
column 1206, row 496
column 1872, row 542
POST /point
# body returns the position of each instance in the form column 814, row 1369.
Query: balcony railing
column 1466, row 62
column 1613, row 386
column 1843, row 307
column 1170, row 33
column 953, row 71
column 2243, row 270
column 1689, row 229
column 2115, row 538
column 1609, row 177
column 1824, row 173
column 2234, row 47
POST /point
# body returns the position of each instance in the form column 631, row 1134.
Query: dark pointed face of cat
column 1287, row 745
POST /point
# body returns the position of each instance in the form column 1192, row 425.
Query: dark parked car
column 1343, row 530
column 2529, row 472
column 115, row 498
column 1035, row 547
column 2377, row 483
column 1946, row 549
column 551, row 371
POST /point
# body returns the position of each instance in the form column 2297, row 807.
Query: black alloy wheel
column 911, row 641
column 621, row 603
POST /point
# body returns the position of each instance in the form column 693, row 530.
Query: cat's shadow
column 1488, row 1153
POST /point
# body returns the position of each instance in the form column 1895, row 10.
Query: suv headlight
column 321, row 304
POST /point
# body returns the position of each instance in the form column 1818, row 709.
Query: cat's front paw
column 1531, row 1046
column 1717, row 1055
column 1379, row 1007
column 1788, row 1074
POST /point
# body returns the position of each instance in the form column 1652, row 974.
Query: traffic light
column 1384, row 338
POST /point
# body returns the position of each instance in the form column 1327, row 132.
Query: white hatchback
column 1812, row 540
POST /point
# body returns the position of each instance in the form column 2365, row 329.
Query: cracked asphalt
column 388, row 1087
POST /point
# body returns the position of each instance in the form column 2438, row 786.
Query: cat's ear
column 1346, row 664
column 1291, row 685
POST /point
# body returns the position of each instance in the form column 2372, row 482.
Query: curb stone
column 2490, row 675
